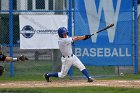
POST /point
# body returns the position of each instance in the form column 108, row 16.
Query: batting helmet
column 62, row 31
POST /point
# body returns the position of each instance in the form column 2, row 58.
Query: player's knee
column 82, row 68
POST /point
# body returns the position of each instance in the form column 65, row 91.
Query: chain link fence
column 41, row 60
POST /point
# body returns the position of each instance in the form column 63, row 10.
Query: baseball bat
column 109, row 26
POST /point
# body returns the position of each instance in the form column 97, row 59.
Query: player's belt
column 68, row 56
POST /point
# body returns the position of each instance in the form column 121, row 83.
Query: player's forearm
column 8, row 59
column 78, row 38
column 20, row 58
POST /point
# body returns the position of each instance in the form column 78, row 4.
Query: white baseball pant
column 67, row 62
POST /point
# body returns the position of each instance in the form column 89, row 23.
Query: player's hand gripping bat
column 109, row 26
column 22, row 58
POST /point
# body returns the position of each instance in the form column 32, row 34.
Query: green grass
column 34, row 70
column 94, row 71
column 40, row 78
column 125, row 77
column 37, row 67
column 29, row 67
column 22, row 78
column 72, row 90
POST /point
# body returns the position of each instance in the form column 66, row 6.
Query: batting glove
column 22, row 58
column 87, row 37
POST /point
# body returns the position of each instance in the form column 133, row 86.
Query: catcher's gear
column 0, row 52
column 1, row 70
column 22, row 58
column 2, row 57
column 62, row 31
column 87, row 37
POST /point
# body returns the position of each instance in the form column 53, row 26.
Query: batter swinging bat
column 109, row 26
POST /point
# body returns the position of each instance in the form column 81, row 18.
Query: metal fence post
column 11, row 35
column 135, row 37
column 70, row 28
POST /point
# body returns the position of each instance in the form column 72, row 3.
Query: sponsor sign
column 111, row 47
column 40, row 31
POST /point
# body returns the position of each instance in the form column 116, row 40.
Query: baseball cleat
column 47, row 77
column 90, row 80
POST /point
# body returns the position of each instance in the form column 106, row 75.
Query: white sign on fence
column 40, row 31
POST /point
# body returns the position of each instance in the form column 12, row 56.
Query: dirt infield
column 71, row 83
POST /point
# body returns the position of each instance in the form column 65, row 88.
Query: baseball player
column 8, row 59
column 68, row 58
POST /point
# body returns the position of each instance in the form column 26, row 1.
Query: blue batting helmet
column 62, row 31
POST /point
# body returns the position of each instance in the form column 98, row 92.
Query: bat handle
column 92, row 34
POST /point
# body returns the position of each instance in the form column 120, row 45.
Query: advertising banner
column 112, row 46
column 40, row 31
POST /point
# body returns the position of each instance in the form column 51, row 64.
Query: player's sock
column 86, row 73
column 55, row 74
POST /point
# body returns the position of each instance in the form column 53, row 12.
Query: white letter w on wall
column 94, row 16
